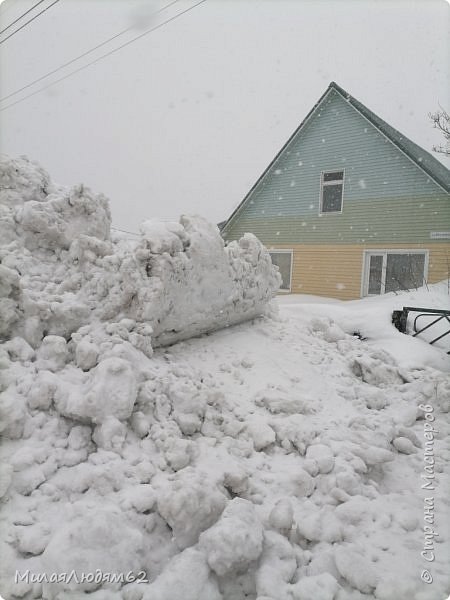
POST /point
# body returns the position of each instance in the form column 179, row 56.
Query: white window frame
column 284, row 251
column 384, row 253
column 325, row 183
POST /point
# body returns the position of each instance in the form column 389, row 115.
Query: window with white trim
column 283, row 260
column 331, row 191
column 393, row 270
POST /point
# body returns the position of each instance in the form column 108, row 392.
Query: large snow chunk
column 110, row 434
column 186, row 577
column 323, row 456
column 356, row 568
column 319, row 587
column 52, row 354
column 97, row 538
column 22, row 180
column 199, row 283
column 190, row 503
column 277, row 566
column 12, row 413
column 110, row 391
column 282, row 516
column 164, row 237
column 62, row 218
column 260, row 432
column 10, row 296
column 235, row 540
column 86, row 355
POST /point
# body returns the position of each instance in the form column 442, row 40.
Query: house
column 350, row 207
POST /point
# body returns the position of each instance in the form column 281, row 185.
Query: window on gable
column 331, row 190
column 283, row 260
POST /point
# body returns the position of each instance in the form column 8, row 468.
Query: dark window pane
column 332, row 198
column 404, row 271
column 334, row 176
column 283, row 261
column 375, row 274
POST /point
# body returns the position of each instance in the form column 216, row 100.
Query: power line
column 93, row 62
column 22, row 16
column 27, row 22
column 66, row 64
column 125, row 231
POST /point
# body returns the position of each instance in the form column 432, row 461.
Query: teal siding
column 390, row 220
column 387, row 197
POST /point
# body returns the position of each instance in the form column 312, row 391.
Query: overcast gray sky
column 186, row 118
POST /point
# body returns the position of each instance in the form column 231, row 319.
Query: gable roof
column 426, row 161
column 423, row 159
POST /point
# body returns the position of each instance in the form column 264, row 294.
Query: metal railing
column 400, row 319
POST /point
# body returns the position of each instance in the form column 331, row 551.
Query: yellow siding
column 336, row 271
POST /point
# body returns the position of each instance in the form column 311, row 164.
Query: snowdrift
column 60, row 269
column 281, row 459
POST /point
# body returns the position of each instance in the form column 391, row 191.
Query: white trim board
column 284, row 251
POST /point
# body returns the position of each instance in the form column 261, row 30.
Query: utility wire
column 27, row 22
column 93, row 62
column 22, row 16
column 69, row 62
column 125, row 231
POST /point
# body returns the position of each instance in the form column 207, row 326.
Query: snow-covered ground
column 282, row 458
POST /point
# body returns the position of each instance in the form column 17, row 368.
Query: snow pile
column 281, row 459
column 60, row 270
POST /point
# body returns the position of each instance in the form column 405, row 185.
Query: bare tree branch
column 441, row 121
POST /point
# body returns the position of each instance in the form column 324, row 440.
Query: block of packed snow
column 141, row 497
column 358, row 570
column 189, row 407
column 140, row 423
column 319, row 587
column 163, row 237
column 29, row 479
column 199, row 284
column 179, row 453
column 377, row 372
column 349, row 481
column 12, row 413
column 110, row 434
column 235, row 540
column 281, row 516
column 110, row 391
column 93, row 538
column 277, row 399
column 236, row 479
column 375, row 399
column 323, row 455
column 33, row 539
column 19, row 349
column 373, row 455
column 10, row 297
column 22, row 180
column 190, row 503
column 404, row 445
column 304, row 484
column 318, row 525
column 6, row 472
column 86, row 355
column 61, row 218
column 53, row 353
column 277, row 566
column 186, row 577
column 260, row 432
